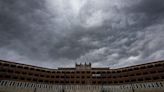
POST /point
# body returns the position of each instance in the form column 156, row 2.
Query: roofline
column 94, row 68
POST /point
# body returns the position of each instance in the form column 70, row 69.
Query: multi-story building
column 16, row 77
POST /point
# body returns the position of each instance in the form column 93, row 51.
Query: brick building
column 83, row 74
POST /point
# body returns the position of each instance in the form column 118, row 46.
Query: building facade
column 16, row 77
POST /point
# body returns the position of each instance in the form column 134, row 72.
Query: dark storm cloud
column 22, row 23
column 57, row 33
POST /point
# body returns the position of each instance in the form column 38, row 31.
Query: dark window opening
column 142, row 67
column 88, row 71
column 47, row 76
column 30, row 73
column 77, row 82
column 51, row 82
column 82, row 72
column 7, row 76
column 158, row 65
column 36, row 74
column 133, row 80
column 15, row 77
column 31, row 68
column 28, row 79
column 19, row 67
column 155, row 78
column 162, row 77
column 150, row 66
column 35, row 80
column 17, row 72
column 40, row 80
column 46, row 81
column 22, row 78
column 24, row 73
column 10, row 71
column 147, row 79
column 120, row 81
column 93, row 82
column 136, row 68
column 25, row 67
column 38, row 70
column 140, row 79
column 6, row 64
column 13, row 65
column 83, row 82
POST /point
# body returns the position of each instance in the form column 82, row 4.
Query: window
column 19, row 67
column 24, row 73
column 93, row 82
column 28, row 79
column 31, row 68
column 30, row 73
column 35, row 80
column 48, row 76
column 17, row 72
column 147, row 79
column 158, row 65
column 120, row 81
column 38, row 70
column 13, row 65
column 136, row 68
column 77, row 72
column 143, row 67
column 25, row 67
column 22, row 78
column 36, row 74
column 162, row 77
column 58, row 72
column 150, row 66
column 83, row 82
column 6, row 64
column 7, row 76
column 133, row 80
column 40, row 80
column 140, row 79
column 56, row 81
column 82, row 72
column 118, row 71
column 15, row 77
column 88, row 77
column 10, row 71
column 138, row 73
column 155, row 78
column 77, row 82
column 88, row 71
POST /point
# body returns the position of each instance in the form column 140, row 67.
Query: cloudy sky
column 58, row 33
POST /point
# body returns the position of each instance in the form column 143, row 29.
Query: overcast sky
column 58, row 33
